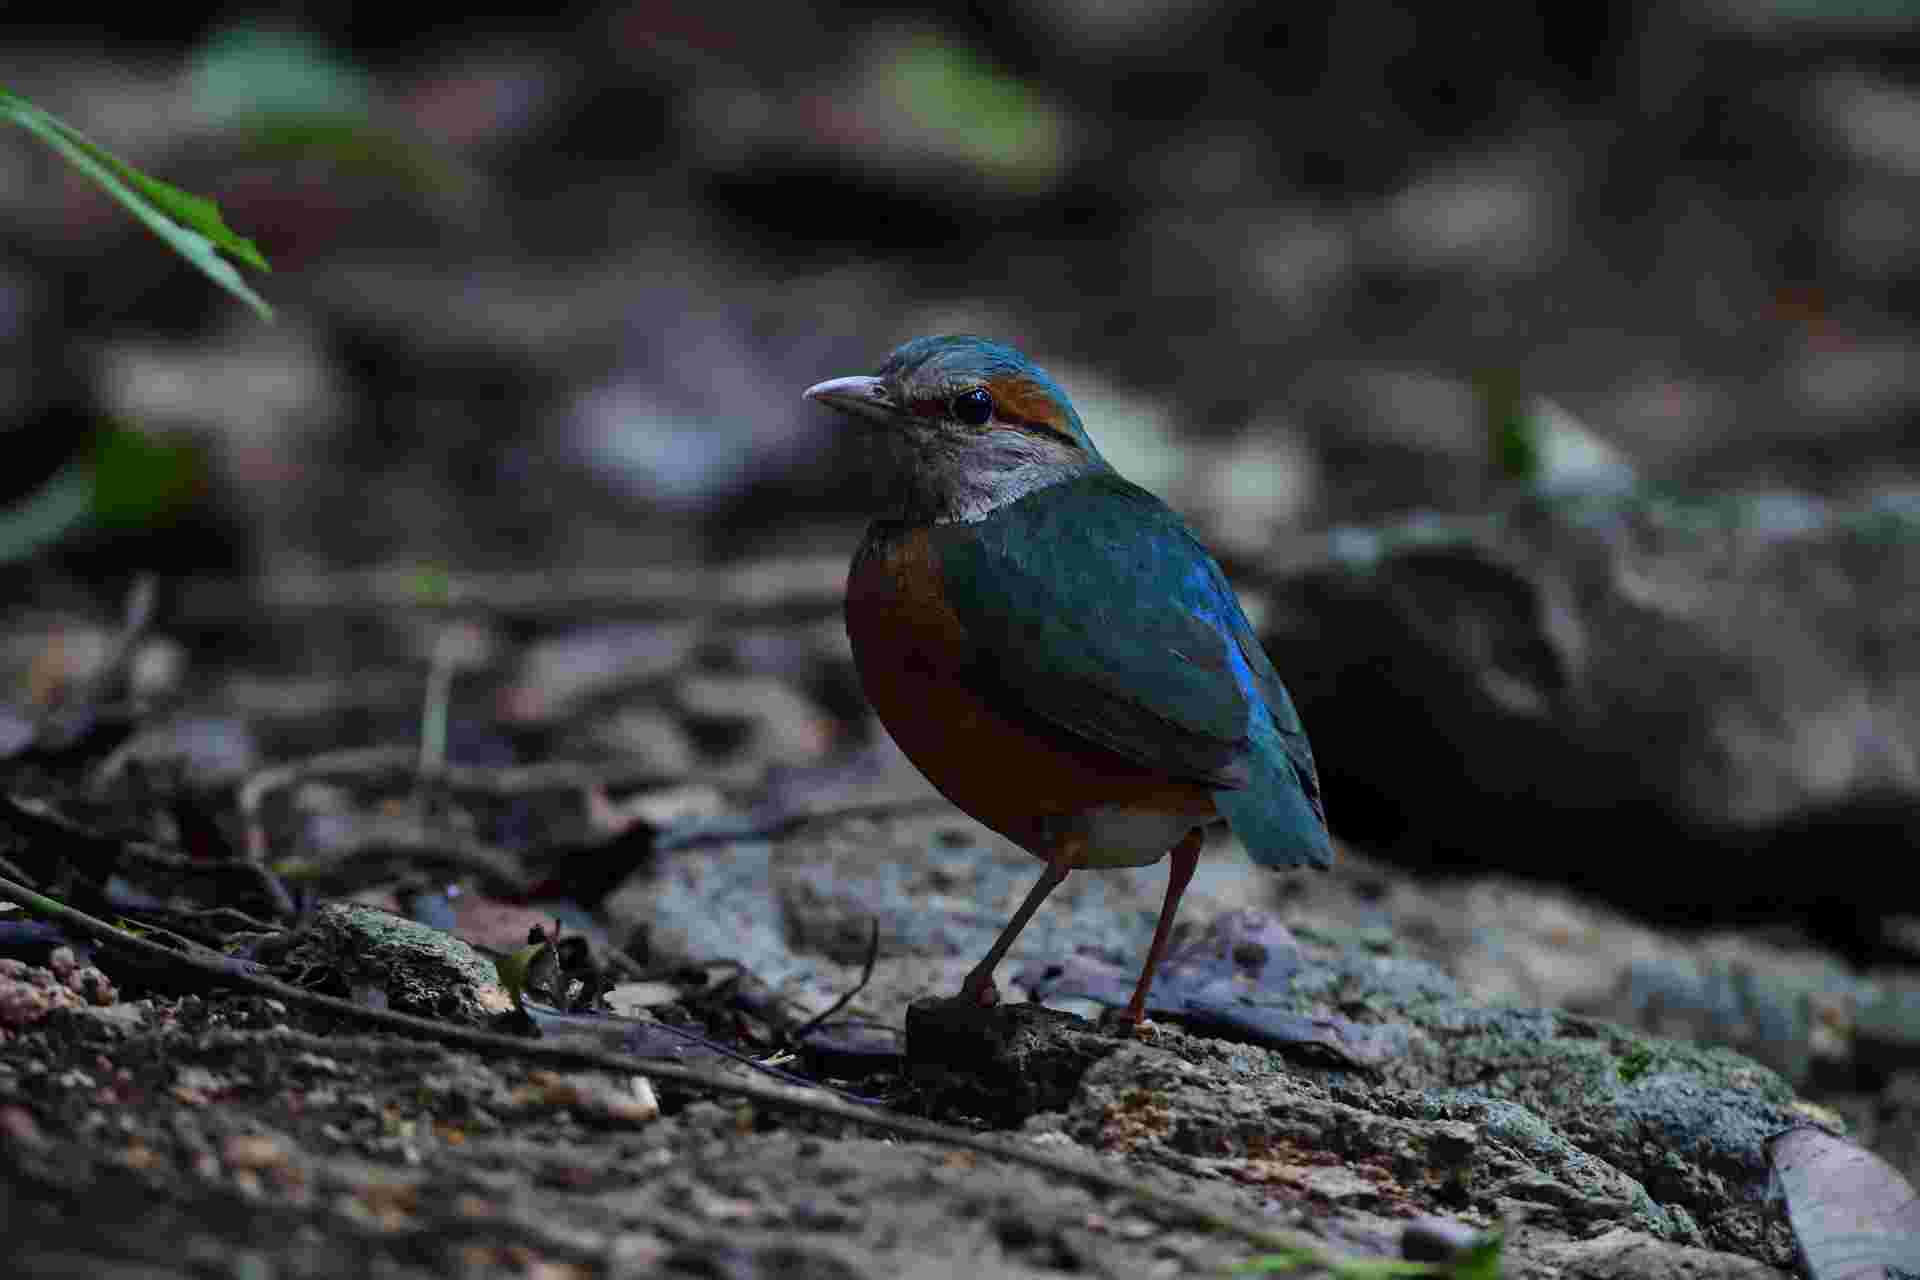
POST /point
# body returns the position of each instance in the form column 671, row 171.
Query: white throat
column 941, row 480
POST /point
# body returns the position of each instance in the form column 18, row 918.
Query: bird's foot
column 1124, row 1024
column 980, row 989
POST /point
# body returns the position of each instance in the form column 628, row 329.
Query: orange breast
column 1022, row 776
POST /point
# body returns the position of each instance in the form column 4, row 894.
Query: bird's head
column 969, row 425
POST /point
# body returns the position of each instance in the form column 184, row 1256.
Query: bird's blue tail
column 1278, row 815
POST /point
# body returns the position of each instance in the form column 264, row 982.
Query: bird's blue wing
column 1091, row 604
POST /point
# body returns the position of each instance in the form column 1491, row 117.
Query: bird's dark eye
column 973, row 407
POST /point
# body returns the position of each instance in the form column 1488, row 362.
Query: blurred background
column 547, row 285
column 1548, row 380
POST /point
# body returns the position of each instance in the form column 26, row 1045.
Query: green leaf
column 1513, row 434
column 286, row 94
column 1388, row 1269
column 190, row 223
column 248, row 72
column 515, row 970
column 1634, row 1063
column 1482, row 1261
column 431, row 584
column 142, row 481
column 987, row 116
column 46, row 513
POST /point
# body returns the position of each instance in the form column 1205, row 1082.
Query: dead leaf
column 1853, row 1216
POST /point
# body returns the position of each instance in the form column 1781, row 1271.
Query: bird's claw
column 981, row 991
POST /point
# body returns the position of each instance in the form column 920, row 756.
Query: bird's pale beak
column 862, row 397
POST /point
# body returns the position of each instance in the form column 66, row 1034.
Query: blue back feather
column 1090, row 603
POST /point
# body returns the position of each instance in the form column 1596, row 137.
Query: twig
column 866, row 975
column 509, row 780
column 768, row 823
column 407, row 834
column 7, row 868
column 559, row 775
column 749, row 1061
column 811, row 583
column 825, row 1106
column 433, row 714
column 102, row 855
column 233, row 917
column 134, row 620
column 261, row 784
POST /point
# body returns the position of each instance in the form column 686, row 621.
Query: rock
column 1470, row 1109
column 1704, row 709
column 1002, row 1063
column 1620, row 1254
column 29, row 994
column 942, row 886
column 1574, row 1165
column 1792, row 1007
column 417, row 969
column 1225, row 982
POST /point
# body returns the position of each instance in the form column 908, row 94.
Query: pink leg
column 978, row 985
column 1186, row 856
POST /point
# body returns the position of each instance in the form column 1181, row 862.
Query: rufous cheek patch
column 1021, row 401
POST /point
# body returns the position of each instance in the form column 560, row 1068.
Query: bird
column 1053, row 647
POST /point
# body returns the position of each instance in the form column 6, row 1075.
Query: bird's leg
column 1186, row 856
column 978, row 985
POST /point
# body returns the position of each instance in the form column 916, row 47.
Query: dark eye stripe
column 937, row 407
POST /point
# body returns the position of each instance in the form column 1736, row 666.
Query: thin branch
column 264, row 782
column 509, row 780
column 866, row 975
column 100, row 855
column 557, row 775
column 800, row 583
